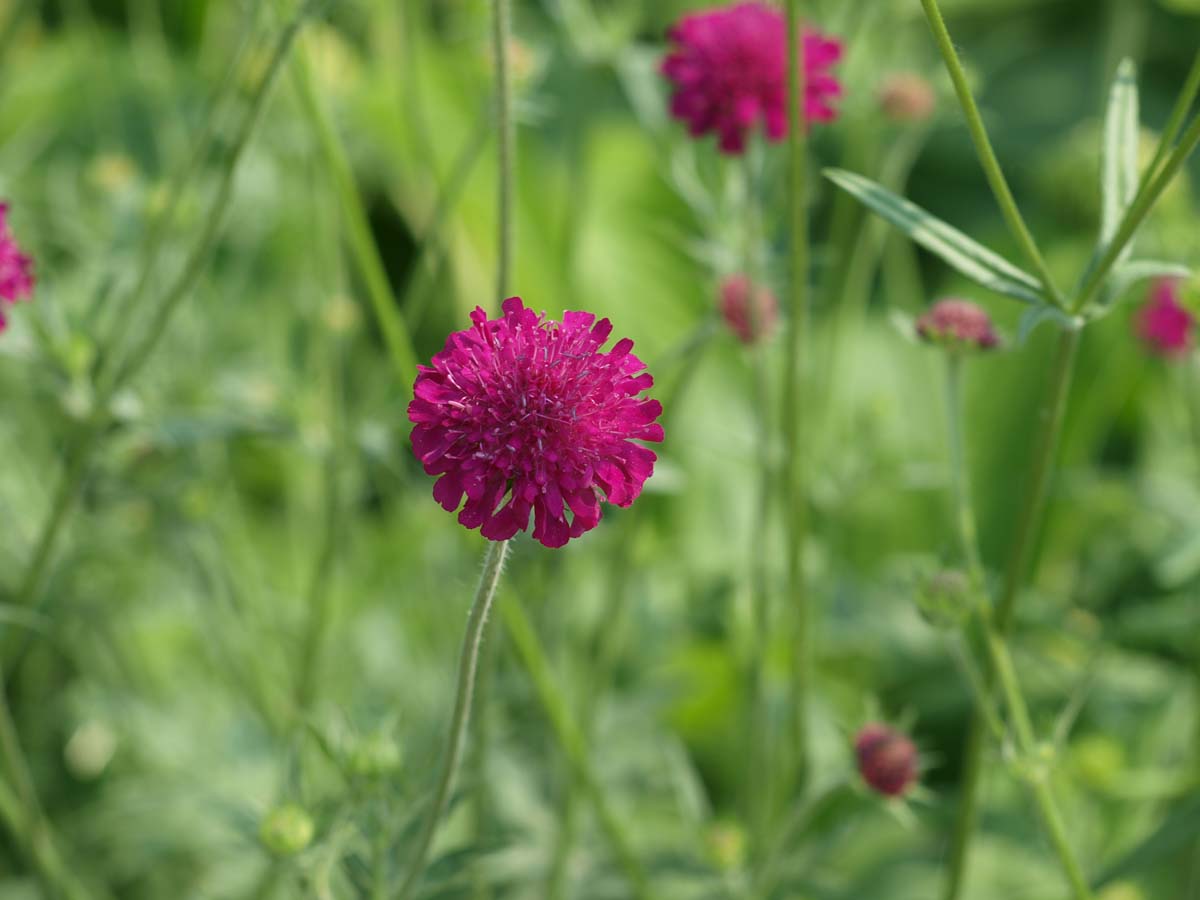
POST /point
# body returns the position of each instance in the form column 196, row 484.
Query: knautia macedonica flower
column 907, row 97
column 748, row 322
column 1164, row 323
column 525, row 415
column 959, row 325
column 729, row 69
column 887, row 759
column 16, row 269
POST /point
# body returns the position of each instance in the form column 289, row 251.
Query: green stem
column 23, row 813
column 987, row 156
column 1134, row 216
column 1038, row 777
column 1052, row 415
column 572, row 743
column 795, row 360
column 363, row 248
column 1183, row 105
column 964, row 514
column 493, row 563
column 506, row 126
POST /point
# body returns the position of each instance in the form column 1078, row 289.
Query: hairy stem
column 795, row 359
column 987, row 156
column 1052, row 415
column 468, row 659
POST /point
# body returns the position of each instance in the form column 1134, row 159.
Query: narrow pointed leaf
column 965, row 255
column 1036, row 315
column 1119, row 156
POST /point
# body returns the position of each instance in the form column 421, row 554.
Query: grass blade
column 1119, row 154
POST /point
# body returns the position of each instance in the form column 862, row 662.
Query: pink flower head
column 907, row 97
column 957, row 324
column 16, row 269
column 746, row 321
column 729, row 68
column 887, row 759
column 530, row 411
column 1163, row 323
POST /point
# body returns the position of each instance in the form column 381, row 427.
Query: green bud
column 375, row 756
column 726, row 845
column 944, row 599
column 286, row 830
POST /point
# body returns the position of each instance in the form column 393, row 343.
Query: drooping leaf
column 967, row 256
column 1119, row 154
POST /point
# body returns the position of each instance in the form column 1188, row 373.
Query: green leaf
column 1043, row 312
column 1170, row 839
column 1125, row 276
column 1119, row 154
column 965, row 255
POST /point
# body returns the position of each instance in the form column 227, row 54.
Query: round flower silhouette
column 729, row 70
column 16, row 269
column 526, row 415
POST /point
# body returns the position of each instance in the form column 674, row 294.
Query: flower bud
column 944, row 599
column 726, row 845
column 907, row 97
column 375, row 756
column 1163, row 323
column 746, row 321
column 887, row 759
column 286, row 830
column 957, row 325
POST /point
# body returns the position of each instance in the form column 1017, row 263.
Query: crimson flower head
column 729, row 69
column 16, row 269
column 1163, row 323
column 748, row 319
column 957, row 324
column 523, row 414
column 887, row 759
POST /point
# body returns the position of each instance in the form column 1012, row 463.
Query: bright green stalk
column 1052, row 415
column 468, row 660
column 363, row 248
column 507, row 128
column 572, row 743
column 1135, row 215
column 1191, row 87
column 964, row 514
column 1038, row 778
column 987, row 156
column 793, row 469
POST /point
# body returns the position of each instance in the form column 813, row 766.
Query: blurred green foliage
column 156, row 700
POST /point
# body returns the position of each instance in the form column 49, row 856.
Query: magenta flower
column 1163, row 323
column 530, row 411
column 958, row 324
column 16, row 269
column 729, row 69
column 887, row 759
column 748, row 323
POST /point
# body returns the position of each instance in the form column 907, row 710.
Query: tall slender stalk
column 468, row 659
column 964, row 513
column 793, row 472
column 1187, row 97
column 506, row 127
column 363, row 249
column 987, row 156
column 1052, row 415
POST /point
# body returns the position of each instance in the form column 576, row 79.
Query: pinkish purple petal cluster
column 1163, row 323
column 729, row 69
column 958, row 324
column 749, row 321
column 523, row 415
column 16, row 269
column 887, row 759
